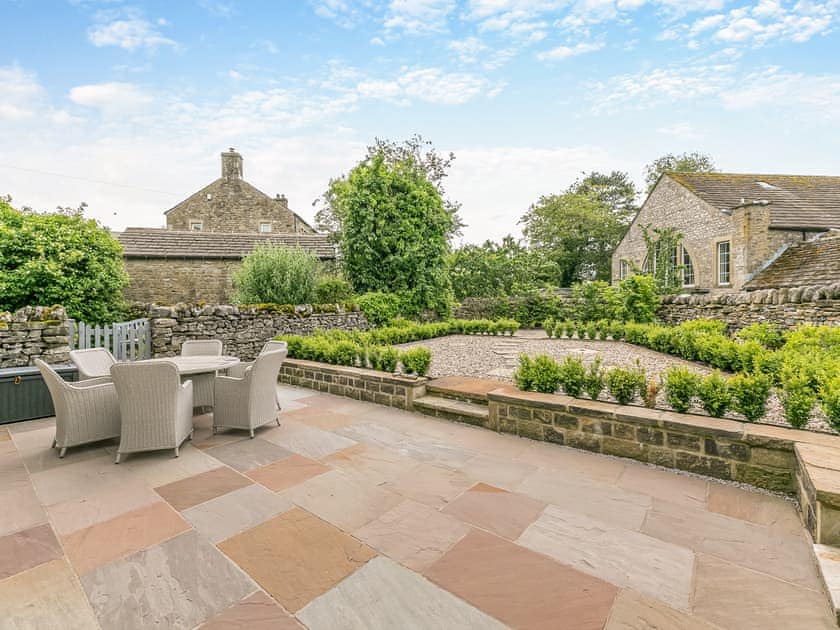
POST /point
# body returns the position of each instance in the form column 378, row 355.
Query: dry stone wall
column 34, row 332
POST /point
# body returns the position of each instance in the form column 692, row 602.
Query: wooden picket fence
column 127, row 341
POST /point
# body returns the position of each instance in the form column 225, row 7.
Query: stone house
column 733, row 226
column 206, row 237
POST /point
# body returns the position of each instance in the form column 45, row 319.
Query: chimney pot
column 231, row 165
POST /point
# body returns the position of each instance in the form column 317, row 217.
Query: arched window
column 687, row 269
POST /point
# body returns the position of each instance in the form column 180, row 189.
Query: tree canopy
column 60, row 258
column 615, row 189
column 694, row 162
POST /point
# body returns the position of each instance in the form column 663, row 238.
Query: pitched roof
column 795, row 201
column 812, row 263
column 163, row 243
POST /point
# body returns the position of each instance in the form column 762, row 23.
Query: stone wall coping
column 795, row 295
column 158, row 311
column 371, row 375
column 822, row 465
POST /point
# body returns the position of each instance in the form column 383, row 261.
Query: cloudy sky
column 127, row 106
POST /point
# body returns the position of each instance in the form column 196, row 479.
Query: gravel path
column 497, row 357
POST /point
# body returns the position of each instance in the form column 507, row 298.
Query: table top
column 200, row 364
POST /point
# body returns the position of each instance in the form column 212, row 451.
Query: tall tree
column 615, row 189
column 694, row 162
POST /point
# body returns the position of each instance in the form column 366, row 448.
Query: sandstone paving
column 231, row 513
column 755, row 507
column 296, row 556
column 307, row 441
column 371, row 464
column 74, row 481
column 325, row 419
column 26, row 549
column 497, row 471
column 255, row 612
column 494, row 509
column 676, row 488
column 622, row 557
column 177, row 584
column 433, row 485
column 287, row 472
column 544, row 593
column 382, row 594
column 634, row 611
column 191, row 491
column 247, row 455
column 574, row 464
column 413, row 534
column 158, row 468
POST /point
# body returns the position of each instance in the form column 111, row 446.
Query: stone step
column 464, row 388
column 458, row 410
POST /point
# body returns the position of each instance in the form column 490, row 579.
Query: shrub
column 546, row 374
column 768, row 335
column 591, row 330
column 333, row 290
column 623, row 384
column 593, row 381
column 523, row 377
column 680, row 387
column 616, row 330
column 277, row 275
column 384, row 358
column 548, row 325
column 380, row 308
column 640, row 298
column 749, row 394
column 797, row 398
column 596, row 300
column 651, row 390
column 714, row 395
column 572, row 376
column 416, row 360
column 830, row 401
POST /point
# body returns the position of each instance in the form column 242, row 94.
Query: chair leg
column 252, row 434
column 117, row 458
column 62, row 452
column 277, row 420
column 55, row 443
column 177, row 452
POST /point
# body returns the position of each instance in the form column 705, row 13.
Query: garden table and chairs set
column 149, row 404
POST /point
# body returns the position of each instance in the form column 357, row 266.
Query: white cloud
column 127, row 30
column 679, row 130
column 468, row 50
column 564, row 52
column 21, row 93
column 773, row 88
column 418, row 17
column 431, row 85
column 343, row 13
column 112, row 97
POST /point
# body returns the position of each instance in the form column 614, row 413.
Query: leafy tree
column 577, row 232
column 694, row 162
column 661, row 259
column 273, row 274
column 615, row 189
column 393, row 229
column 60, row 258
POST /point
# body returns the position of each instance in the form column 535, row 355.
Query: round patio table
column 201, row 370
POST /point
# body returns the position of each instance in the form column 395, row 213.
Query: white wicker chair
column 87, row 411
column 202, row 383
column 156, row 407
column 238, row 370
column 251, row 401
column 93, row 362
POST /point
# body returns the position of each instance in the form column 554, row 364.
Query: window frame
column 266, row 224
column 623, row 269
column 194, row 223
column 718, row 261
column 683, row 255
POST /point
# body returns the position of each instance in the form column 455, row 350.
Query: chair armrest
column 238, row 370
column 91, row 382
column 187, row 385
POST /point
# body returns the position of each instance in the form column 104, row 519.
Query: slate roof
column 812, row 263
column 795, row 201
column 163, row 243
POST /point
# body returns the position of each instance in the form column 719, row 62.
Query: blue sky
column 526, row 93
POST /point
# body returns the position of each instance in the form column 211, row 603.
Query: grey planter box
column 24, row 395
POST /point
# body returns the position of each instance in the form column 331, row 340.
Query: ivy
column 662, row 246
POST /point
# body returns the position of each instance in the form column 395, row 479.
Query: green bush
column 830, row 401
column 416, row 360
column 596, row 300
column 384, row 358
column 333, row 290
column 345, row 353
column 523, row 376
column 380, row 308
column 651, row 390
column 798, row 398
column 572, row 376
column 546, row 374
column 768, row 335
column 640, row 298
column 749, row 394
column 624, row 384
column 591, row 331
column 548, row 325
column 715, row 395
column 593, row 380
column 277, row 275
column 680, row 387
column 616, row 330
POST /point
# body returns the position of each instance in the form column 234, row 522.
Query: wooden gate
column 127, row 341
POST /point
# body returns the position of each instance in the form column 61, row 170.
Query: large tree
column 393, row 229
column 694, row 162
column 60, row 258
column 615, row 189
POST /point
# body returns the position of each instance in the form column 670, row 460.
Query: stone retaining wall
column 786, row 307
column 34, row 332
column 242, row 330
column 369, row 385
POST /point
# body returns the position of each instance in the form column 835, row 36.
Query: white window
column 265, row 227
column 623, row 270
column 723, row 262
column 687, row 269
column 196, row 226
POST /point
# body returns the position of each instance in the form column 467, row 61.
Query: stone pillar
column 231, row 165
column 750, row 240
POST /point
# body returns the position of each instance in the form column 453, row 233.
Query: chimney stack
column 231, row 165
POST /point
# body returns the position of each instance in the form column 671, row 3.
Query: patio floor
column 353, row 515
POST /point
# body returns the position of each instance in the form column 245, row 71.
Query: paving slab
column 26, row 549
column 249, row 454
column 634, row 611
column 256, row 612
column 287, row 472
column 382, row 594
column 371, row 464
column 494, row 509
column 755, row 507
column 433, row 485
column 191, row 491
column 308, row 441
column 665, row 484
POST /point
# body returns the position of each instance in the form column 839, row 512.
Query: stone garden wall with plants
column 33, row 332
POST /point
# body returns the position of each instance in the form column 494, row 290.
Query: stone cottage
column 733, row 225
column 206, row 237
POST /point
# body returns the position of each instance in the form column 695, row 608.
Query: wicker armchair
column 251, row 401
column 202, row 383
column 156, row 407
column 93, row 362
column 238, row 370
column 201, row 347
column 87, row 411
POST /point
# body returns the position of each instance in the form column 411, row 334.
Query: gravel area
column 497, row 357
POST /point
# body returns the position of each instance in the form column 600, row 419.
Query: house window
column 196, row 226
column 723, row 262
column 265, row 227
column 623, row 270
column 687, row 269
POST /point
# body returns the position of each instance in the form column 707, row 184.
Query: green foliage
column 715, row 395
column 523, row 376
column 60, row 258
column 651, row 390
column 798, row 398
column 572, row 376
column 624, row 384
column 830, row 401
column 695, row 162
column 681, row 384
column 276, row 274
column 393, row 228
column 615, row 189
column 749, row 394
column 597, row 300
column 538, row 374
column 640, row 298
column 548, row 326
column 593, row 381
column 416, row 360
column 661, row 245
column 768, row 335
column 379, row 308
column 333, row 290
column 384, row 358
